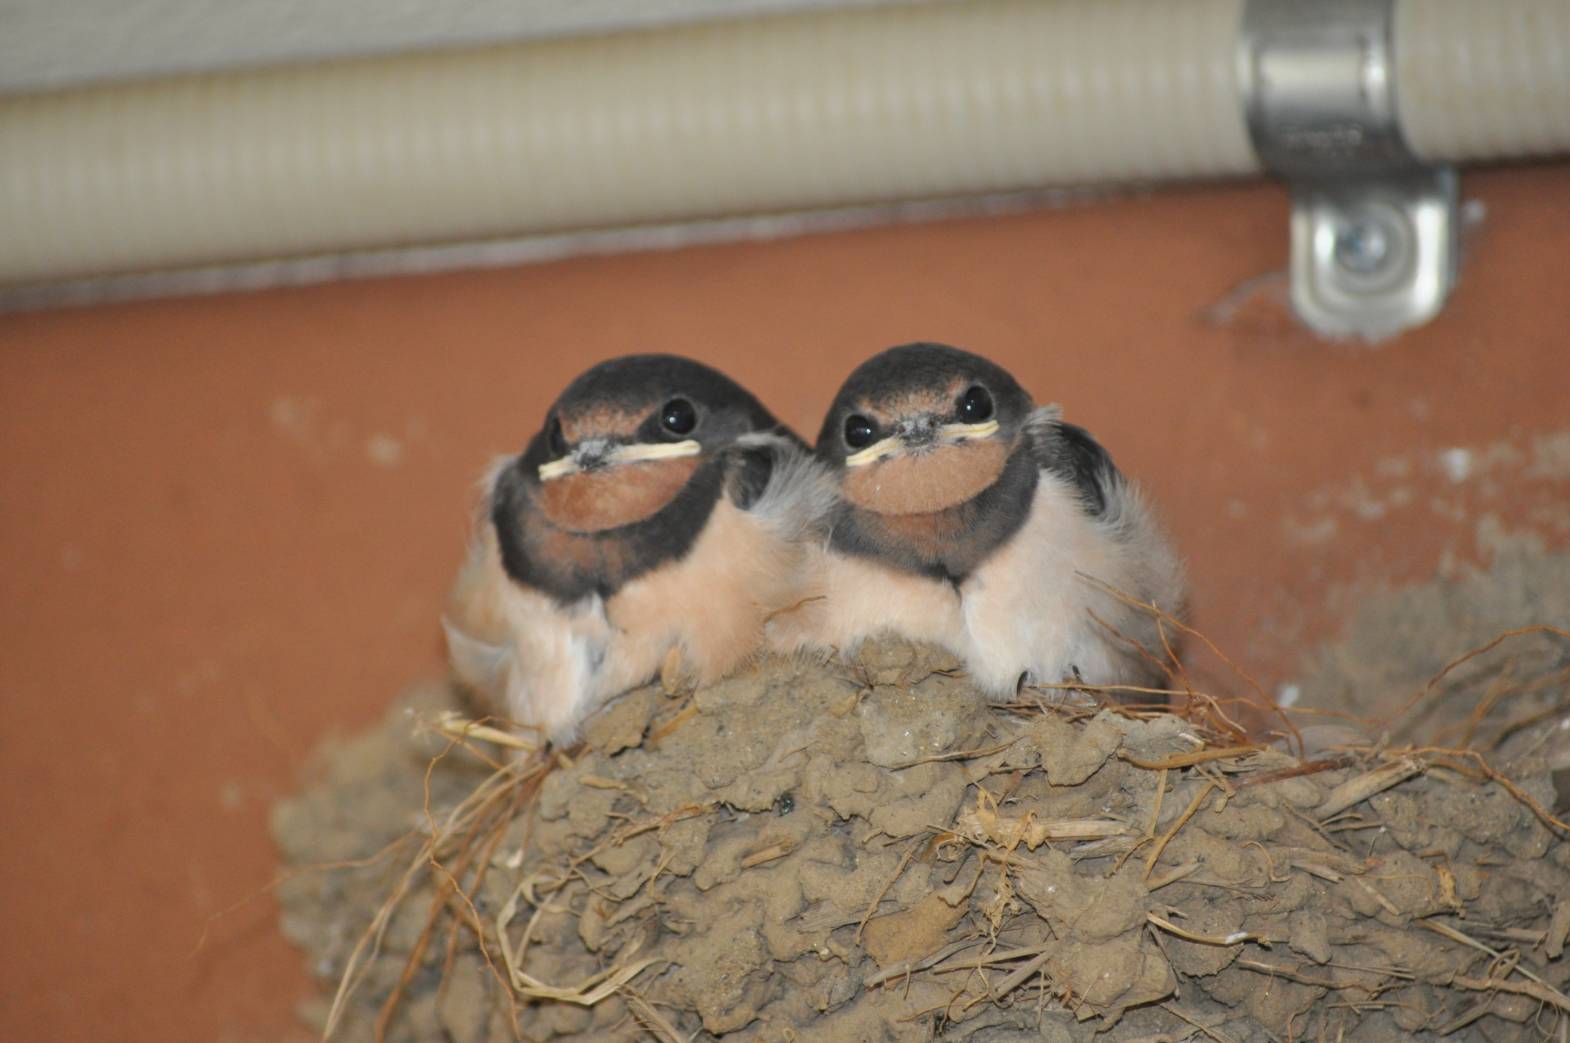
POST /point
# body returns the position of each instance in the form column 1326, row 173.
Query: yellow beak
column 949, row 433
column 636, row 452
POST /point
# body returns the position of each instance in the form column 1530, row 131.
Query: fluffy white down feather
column 1037, row 606
column 544, row 666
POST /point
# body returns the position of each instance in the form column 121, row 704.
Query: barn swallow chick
column 660, row 508
column 973, row 519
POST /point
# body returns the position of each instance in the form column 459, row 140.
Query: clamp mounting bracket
column 1374, row 230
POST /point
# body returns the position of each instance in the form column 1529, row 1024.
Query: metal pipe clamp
column 1374, row 240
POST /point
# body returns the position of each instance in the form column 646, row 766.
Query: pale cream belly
column 711, row 604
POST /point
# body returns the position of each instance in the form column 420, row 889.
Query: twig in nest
column 1205, row 711
column 957, row 755
column 1388, row 972
column 1355, row 791
column 1099, row 689
column 1510, row 934
column 899, row 871
column 1491, row 773
column 597, row 782
column 1466, row 1017
column 1314, row 869
column 1015, row 979
column 1293, row 974
column 992, row 959
column 1166, row 646
column 686, row 714
column 456, row 726
column 1440, row 927
column 1188, row 760
column 447, row 883
column 1166, row 838
column 899, row 970
column 1530, row 719
column 768, row 854
column 1222, row 940
column 1167, row 619
column 458, row 821
column 1172, row 876
column 1144, row 653
column 1150, row 830
column 652, row 1019
column 1558, row 930
column 596, row 988
column 1456, row 664
column 1305, row 768
column 1498, row 689
column 1190, row 1019
column 1384, row 903
column 627, row 832
column 984, row 822
column 592, row 990
column 470, row 915
column 1538, row 991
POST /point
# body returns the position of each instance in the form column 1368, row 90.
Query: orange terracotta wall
column 228, row 522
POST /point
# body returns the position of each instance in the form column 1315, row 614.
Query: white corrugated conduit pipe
column 777, row 114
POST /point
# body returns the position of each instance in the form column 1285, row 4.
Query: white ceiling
column 54, row 43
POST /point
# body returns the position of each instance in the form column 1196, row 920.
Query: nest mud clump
column 869, row 851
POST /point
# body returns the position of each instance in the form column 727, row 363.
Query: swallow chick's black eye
column 678, row 416
column 975, row 406
column 555, row 441
column 858, row 431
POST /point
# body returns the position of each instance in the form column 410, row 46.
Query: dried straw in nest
column 869, row 851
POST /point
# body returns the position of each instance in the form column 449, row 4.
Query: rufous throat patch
column 926, row 482
column 595, row 501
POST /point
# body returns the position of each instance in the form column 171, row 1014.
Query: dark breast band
column 570, row 566
column 949, row 544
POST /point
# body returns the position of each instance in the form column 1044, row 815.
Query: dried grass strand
column 1462, row 660
column 1182, row 820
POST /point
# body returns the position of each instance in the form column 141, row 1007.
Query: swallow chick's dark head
column 922, row 428
column 623, row 473
column 627, row 436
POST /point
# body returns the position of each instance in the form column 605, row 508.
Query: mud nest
column 870, row 851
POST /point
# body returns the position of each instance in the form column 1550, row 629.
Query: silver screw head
column 1364, row 245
